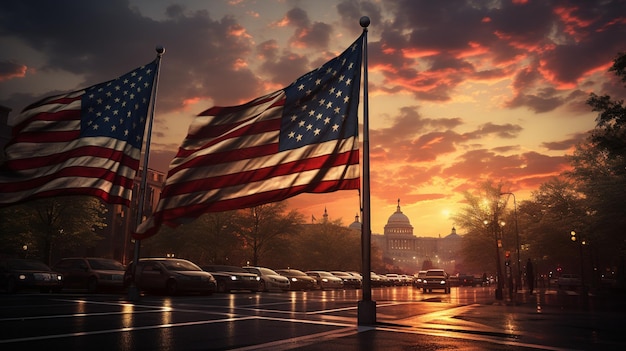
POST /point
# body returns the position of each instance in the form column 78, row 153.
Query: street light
column 581, row 242
column 498, row 267
column 517, row 247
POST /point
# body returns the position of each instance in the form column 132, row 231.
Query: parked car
column 349, row 280
column 170, row 275
column 394, row 279
column 298, row 280
column 91, row 273
column 230, row 278
column 436, row 279
column 17, row 274
column 378, row 280
column 326, row 280
column 269, row 279
column 569, row 281
column 419, row 277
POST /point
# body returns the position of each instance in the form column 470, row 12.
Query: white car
column 269, row 279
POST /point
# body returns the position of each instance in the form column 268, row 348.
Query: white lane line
column 301, row 341
column 126, row 329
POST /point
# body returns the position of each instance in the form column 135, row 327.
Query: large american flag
column 86, row 142
column 301, row 139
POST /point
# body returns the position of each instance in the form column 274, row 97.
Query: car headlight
column 232, row 277
column 294, row 279
column 22, row 277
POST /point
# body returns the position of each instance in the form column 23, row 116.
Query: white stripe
column 69, row 182
column 45, row 126
column 241, row 115
column 237, row 142
column 84, row 161
column 272, row 184
column 27, row 150
column 50, row 108
column 310, row 151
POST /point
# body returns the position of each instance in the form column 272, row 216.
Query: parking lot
column 468, row 317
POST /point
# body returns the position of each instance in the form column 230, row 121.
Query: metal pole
column 517, row 246
column 133, row 291
column 366, row 307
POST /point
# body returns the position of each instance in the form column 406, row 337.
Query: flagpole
column 366, row 307
column 133, row 291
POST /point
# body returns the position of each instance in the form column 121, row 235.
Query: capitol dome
column 356, row 225
column 398, row 223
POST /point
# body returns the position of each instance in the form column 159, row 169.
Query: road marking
column 126, row 329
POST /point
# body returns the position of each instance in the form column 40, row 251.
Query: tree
column 266, row 229
column 481, row 219
column 547, row 220
column 327, row 246
column 210, row 239
column 599, row 170
column 54, row 225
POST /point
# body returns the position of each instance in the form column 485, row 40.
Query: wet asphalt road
column 466, row 319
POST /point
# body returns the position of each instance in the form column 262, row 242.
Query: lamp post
column 581, row 242
column 518, row 281
column 498, row 264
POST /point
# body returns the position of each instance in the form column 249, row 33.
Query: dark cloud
column 505, row 131
column 11, row 69
column 102, row 40
column 550, row 43
column 566, row 144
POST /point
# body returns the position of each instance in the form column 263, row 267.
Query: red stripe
column 226, row 157
column 223, row 110
column 46, row 137
column 66, row 115
column 316, row 163
column 219, row 134
column 69, row 172
column 90, row 151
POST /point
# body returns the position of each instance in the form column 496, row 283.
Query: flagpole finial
column 364, row 21
column 160, row 50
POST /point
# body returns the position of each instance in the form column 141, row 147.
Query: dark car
column 230, row 278
column 418, row 278
column 349, row 281
column 298, row 279
column 91, row 273
column 17, row 274
column 436, row 279
column 171, row 276
column 326, row 280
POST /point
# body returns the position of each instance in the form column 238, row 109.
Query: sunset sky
column 459, row 91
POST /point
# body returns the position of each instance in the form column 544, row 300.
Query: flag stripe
column 79, row 155
column 86, row 142
column 254, row 193
column 237, row 164
column 209, row 182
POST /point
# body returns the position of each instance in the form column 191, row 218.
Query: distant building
column 402, row 249
column 122, row 221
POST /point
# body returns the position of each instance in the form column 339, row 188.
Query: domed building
column 356, row 225
column 402, row 249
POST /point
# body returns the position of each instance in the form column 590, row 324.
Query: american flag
column 86, row 142
column 301, row 139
